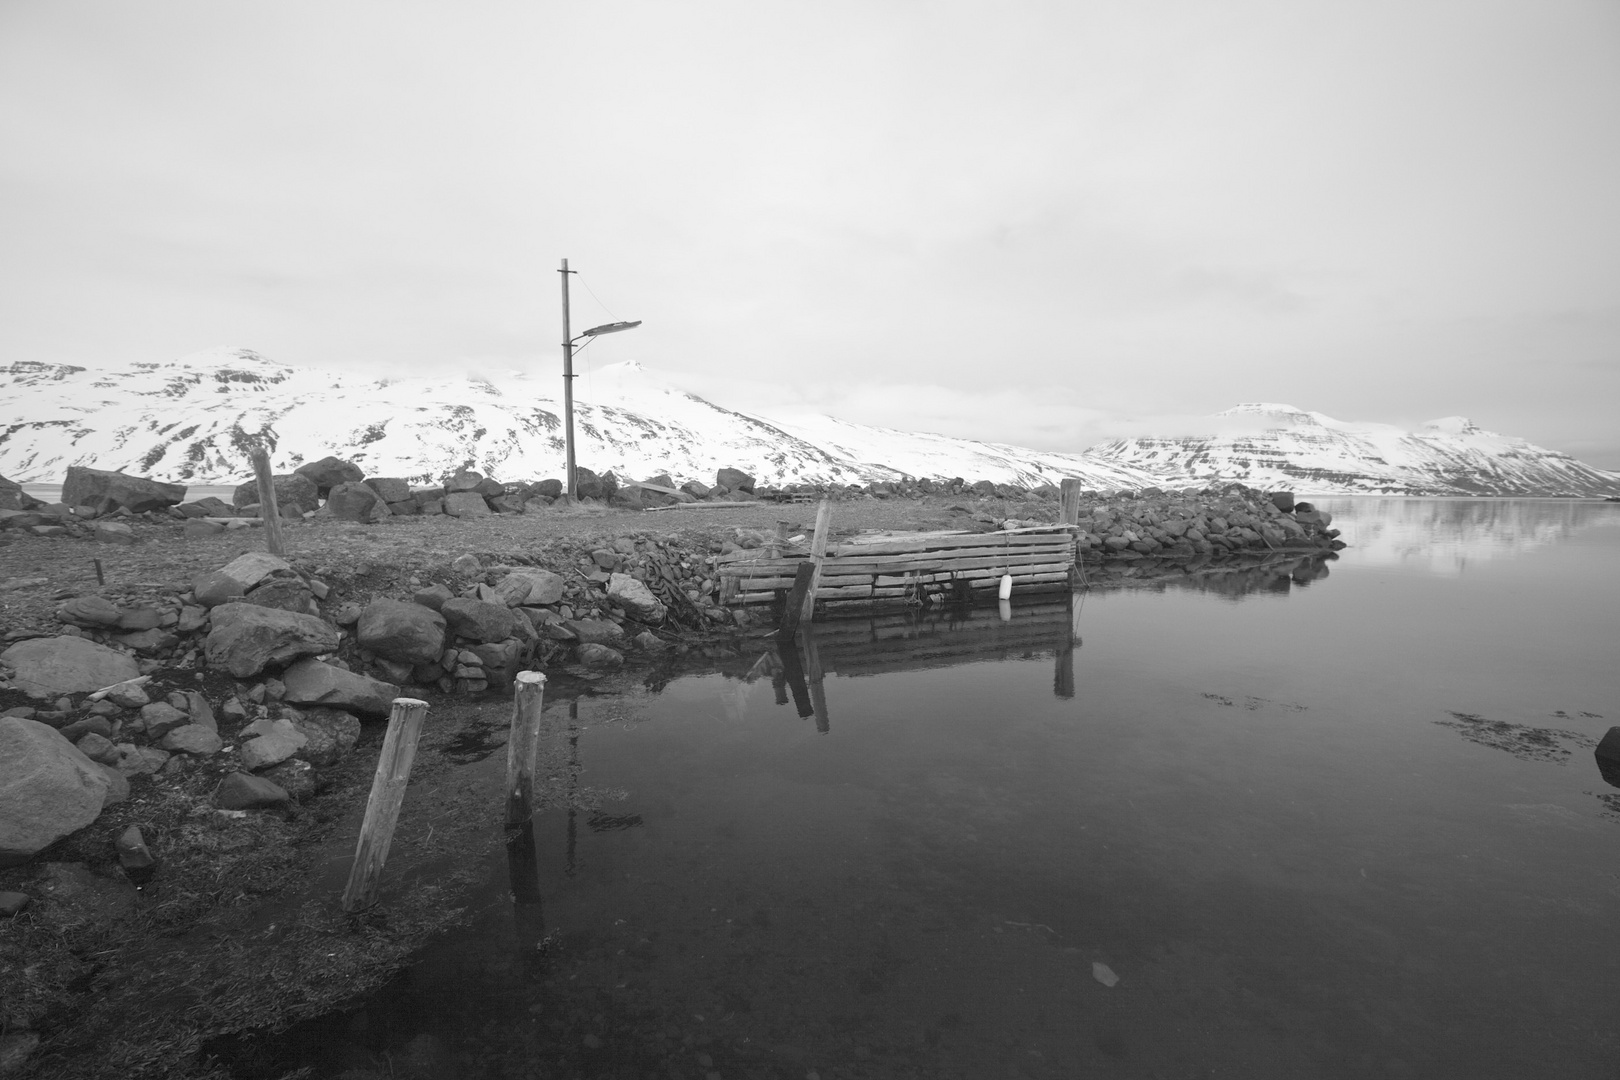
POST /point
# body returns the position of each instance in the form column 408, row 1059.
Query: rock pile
column 1214, row 523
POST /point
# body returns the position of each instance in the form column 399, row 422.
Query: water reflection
column 1443, row 536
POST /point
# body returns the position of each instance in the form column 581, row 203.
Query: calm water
column 1316, row 825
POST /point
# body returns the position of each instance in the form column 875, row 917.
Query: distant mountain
column 1279, row 446
column 191, row 421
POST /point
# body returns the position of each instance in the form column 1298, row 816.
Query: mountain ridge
column 193, row 419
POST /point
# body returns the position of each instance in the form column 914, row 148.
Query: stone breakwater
column 1201, row 526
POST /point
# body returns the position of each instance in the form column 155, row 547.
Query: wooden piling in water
column 818, row 556
column 387, row 796
column 269, row 512
column 522, row 746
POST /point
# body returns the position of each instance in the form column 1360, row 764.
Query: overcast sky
column 1042, row 223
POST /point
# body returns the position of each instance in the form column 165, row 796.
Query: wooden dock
column 919, row 568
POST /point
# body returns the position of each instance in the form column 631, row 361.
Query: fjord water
column 1264, row 825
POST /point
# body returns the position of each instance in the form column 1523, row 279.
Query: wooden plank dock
column 914, row 568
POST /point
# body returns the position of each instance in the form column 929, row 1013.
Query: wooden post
column 382, row 809
column 818, row 555
column 793, row 606
column 269, row 513
column 522, row 746
column 1070, row 496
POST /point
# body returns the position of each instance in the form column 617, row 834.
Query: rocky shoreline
column 241, row 694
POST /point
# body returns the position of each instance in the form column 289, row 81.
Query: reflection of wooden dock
column 918, row 641
column 908, row 567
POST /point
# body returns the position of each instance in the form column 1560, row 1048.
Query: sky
column 1040, row 223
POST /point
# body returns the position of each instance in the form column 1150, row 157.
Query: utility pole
column 568, row 388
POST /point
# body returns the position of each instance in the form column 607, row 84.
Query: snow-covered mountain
column 1279, row 446
column 191, row 421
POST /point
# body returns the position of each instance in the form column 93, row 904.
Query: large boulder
column 66, row 665
column 287, row 593
column 357, row 502
column 478, row 620
column 734, row 480
column 245, row 638
column 464, row 480
column 107, row 491
column 250, row 568
column 587, row 485
column 634, row 596
column 391, row 488
column 395, row 630
column 91, row 611
column 466, row 504
column 530, row 588
column 13, row 497
column 48, row 788
column 296, row 494
column 310, row 682
column 329, row 472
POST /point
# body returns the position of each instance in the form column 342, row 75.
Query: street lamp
column 572, row 487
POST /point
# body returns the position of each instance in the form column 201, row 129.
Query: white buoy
column 1006, row 587
column 1006, row 610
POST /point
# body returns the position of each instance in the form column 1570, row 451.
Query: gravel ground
column 164, row 558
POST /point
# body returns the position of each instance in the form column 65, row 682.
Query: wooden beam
column 269, row 513
column 382, row 808
column 818, row 556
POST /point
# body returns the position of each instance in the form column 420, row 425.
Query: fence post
column 269, row 512
column 522, row 745
column 387, row 795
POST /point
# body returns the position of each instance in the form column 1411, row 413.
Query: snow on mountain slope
column 927, row 454
column 1279, row 446
column 191, row 421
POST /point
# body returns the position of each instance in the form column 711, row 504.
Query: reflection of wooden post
column 1070, row 496
column 818, row 555
column 1063, row 674
column 382, row 809
column 793, row 674
column 813, row 675
column 269, row 513
column 523, row 744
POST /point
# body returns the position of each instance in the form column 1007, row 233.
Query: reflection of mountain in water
column 1444, row 535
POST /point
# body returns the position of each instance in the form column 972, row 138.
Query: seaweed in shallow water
column 1521, row 740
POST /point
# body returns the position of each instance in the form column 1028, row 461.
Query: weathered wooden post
column 387, row 795
column 523, row 745
column 818, row 555
column 1070, row 495
column 269, row 512
column 793, row 606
